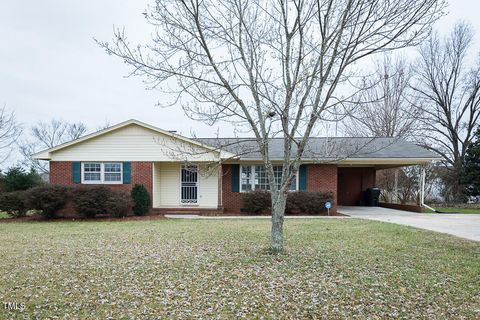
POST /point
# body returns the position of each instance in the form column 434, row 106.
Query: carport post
column 422, row 185
column 397, row 198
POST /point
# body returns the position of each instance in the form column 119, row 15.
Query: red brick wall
column 319, row 178
column 323, row 177
column 61, row 173
column 231, row 201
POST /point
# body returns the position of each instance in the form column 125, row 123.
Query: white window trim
column 253, row 178
column 102, row 173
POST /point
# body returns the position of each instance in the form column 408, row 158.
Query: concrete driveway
column 461, row 225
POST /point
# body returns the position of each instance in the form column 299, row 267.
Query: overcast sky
column 51, row 67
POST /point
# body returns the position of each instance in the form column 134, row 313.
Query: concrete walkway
column 461, row 225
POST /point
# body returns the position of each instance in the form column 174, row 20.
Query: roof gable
column 131, row 140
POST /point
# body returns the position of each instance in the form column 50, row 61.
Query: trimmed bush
column 89, row 201
column 302, row 202
column 48, row 199
column 256, row 202
column 13, row 203
column 119, row 204
column 141, row 200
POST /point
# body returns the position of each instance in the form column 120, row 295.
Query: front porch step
column 188, row 211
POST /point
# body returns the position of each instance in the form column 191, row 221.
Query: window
column 113, row 172
column 92, row 172
column 246, row 177
column 293, row 185
column 99, row 172
column 255, row 178
column 261, row 179
column 277, row 173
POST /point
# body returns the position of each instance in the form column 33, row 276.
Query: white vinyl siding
column 134, row 143
column 166, row 186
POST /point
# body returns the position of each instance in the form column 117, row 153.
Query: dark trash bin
column 364, row 200
column 373, row 196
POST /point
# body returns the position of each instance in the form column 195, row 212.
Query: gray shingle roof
column 326, row 148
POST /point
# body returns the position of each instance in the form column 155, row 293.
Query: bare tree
column 75, row 130
column 273, row 66
column 387, row 108
column 449, row 92
column 10, row 130
column 106, row 124
column 384, row 108
column 46, row 135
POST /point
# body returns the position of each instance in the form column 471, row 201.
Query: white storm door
column 189, row 184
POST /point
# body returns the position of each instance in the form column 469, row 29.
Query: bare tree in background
column 45, row 135
column 10, row 130
column 449, row 92
column 75, row 130
column 384, row 108
column 106, row 124
column 274, row 66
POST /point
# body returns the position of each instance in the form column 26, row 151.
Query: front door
column 189, row 184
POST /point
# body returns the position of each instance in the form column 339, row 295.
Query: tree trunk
column 278, row 212
column 458, row 187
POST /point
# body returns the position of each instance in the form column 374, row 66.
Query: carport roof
column 331, row 148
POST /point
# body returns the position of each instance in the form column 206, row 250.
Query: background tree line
column 20, row 141
column 433, row 101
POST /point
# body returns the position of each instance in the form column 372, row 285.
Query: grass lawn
column 340, row 268
column 455, row 210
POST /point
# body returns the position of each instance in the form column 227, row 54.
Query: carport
column 353, row 180
column 357, row 171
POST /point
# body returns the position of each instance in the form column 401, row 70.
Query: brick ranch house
column 183, row 175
